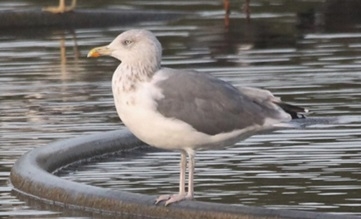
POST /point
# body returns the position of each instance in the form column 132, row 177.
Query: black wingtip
column 296, row 112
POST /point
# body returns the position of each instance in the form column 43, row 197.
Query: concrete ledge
column 32, row 177
column 81, row 18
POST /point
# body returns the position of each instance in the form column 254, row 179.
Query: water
column 305, row 51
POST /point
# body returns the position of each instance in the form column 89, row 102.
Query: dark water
column 307, row 52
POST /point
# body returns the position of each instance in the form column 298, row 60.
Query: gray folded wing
column 213, row 106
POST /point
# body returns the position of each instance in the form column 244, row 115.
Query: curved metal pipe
column 32, row 176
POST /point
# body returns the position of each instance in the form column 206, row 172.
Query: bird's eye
column 127, row 42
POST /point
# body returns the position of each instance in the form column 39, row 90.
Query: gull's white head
column 135, row 48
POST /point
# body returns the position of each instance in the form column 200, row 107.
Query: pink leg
column 191, row 164
column 61, row 8
column 182, row 193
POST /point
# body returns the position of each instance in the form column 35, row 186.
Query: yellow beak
column 99, row 51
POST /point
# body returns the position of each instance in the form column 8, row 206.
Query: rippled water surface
column 307, row 52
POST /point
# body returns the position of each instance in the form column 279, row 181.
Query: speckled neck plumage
column 128, row 77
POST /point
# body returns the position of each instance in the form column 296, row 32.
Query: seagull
column 185, row 110
column 61, row 8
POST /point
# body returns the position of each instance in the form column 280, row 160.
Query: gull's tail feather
column 296, row 112
column 267, row 100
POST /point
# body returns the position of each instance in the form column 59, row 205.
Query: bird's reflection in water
column 227, row 8
column 63, row 55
